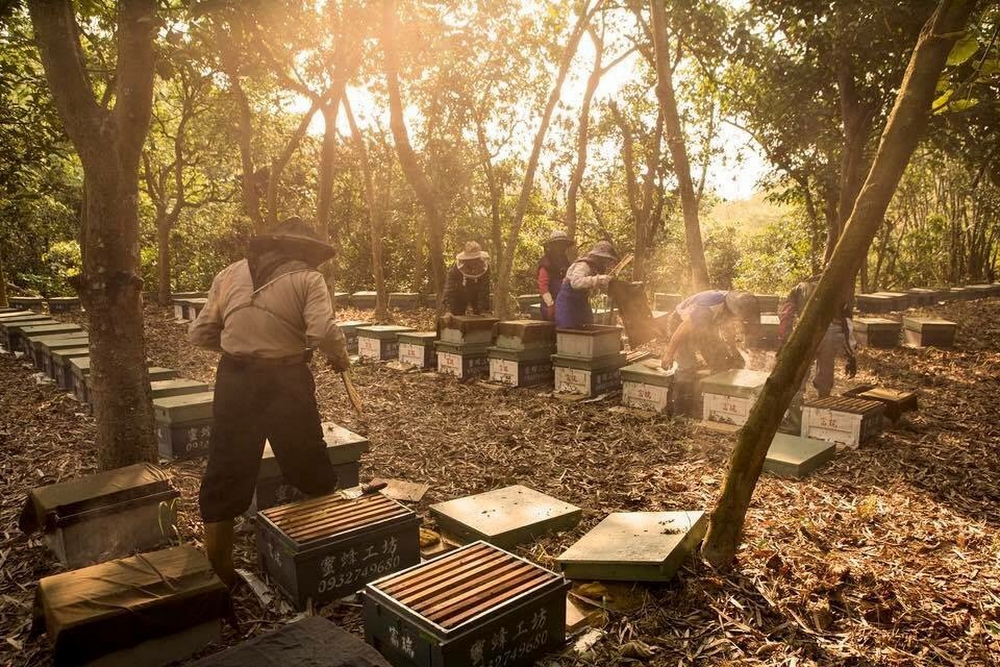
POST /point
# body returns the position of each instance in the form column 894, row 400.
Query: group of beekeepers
column 266, row 314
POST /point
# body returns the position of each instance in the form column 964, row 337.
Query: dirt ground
column 890, row 555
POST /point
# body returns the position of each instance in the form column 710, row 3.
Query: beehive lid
column 17, row 314
column 927, row 324
column 64, row 355
column 177, row 387
column 610, row 361
column 64, row 299
column 505, row 517
column 418, row 337
column 353, row 324
column 648, row 374
column 383, row 331
column 62, row 342
column 196, row 301
column 592, row 330
column 849, row 404
column 95, row 610
column 49, row 329
column 534, row 355
column 158, row 373
column 48, row 506
column 794, row 456
column 527, row 330
column 740, row 383
column 365, row 294
column 189, row 295
column 468, row 323
column 403, row 295
column 635, row 546
column 333, row 517
column 20, row 323
column 476, row 349
column 450, row 592
column 80, row 365
column 342, row 446
column 184, row 408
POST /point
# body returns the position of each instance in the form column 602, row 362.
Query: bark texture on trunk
column 905, row 126
column 408, row 160
column 3, row 282
column 496, row 195
column 676, row 143
column 507, row 267
column 374, row 213
column 109, row 143
column 583, row 133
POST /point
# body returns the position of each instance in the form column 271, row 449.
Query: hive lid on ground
column 98, row 609
column 310, row 642
column 49, row 505
column 635, row 546
column 449, row 593
column 927, row 324
column 504, row 517
column 648, row 373
column 742, row 383
column 184, row 408
column 330, row 517
column 794, row 456
column 849, row 404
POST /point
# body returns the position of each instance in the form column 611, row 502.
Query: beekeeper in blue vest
column 590, row 272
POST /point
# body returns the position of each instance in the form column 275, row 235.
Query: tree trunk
column 408, row 160
column 507, row 267
column 109, row 143
column 163, row 225
column 496, row 225
column 3, row 282
column 280, row 162
column 906, row 124
column 678, row 150
column 583, row 134
column 374, row 211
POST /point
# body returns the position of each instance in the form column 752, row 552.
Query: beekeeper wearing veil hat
column 590, row 272
column 467, row 285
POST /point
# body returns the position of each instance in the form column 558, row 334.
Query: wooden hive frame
column 329, row 516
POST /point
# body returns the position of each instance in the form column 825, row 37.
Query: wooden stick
column 352, row 393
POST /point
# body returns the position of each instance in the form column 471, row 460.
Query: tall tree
column 569, row 51
column 677, row 143
column 906, row 123
column 109, row 141
column 408, row 159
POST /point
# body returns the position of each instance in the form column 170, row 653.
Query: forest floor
column 889, row 555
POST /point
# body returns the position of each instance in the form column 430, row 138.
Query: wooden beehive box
column 467, row 329
column 178, row 387
column 364, row 300
column 26, row 302
column 523, row 335
column 845, row 420
column 152, row 610
column 505, row 517
column 593, row 341
column 27, row 335
column 588, row 377
column 520, row 368
column 63, row 304
column 13, row 328
column 86, row 395
column 635, row 546
column 325, row 548
column 873, row 303
column 40, row 346
column 473, row 607
column 897, row 300
column 380, row 342
column 929, row 332
column 647, row 387
column 404, row 300
column 103, row 516
column 897, row 403
column 343, row 448
column 728, row 396
column 416, row 348
column 183, row 424
column 922, row 296
column 465, row 362
column 62, row 371
column 877, row 331
column 350, row 331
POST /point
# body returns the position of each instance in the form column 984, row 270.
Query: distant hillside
column 748, row 215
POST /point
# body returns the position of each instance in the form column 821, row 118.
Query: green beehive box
column 588, row 377
column 68, row 344
column 363, row 300
column 646, row 387
column 341, row 299
column 39, row 346
column 465, row 362
column 11, row 336
column 873, row 303
column 525, row 335
column 929, row 331
column 740, row 383
column 795, row 456
column 467, row 329
column 27, row 332
column 922, row 296
column 350, row 331
column 520, row 368
column 183, row 424
column 635, row 546
column 380, row 342
column 63, row 304
column 416, row 348
column 404, row 300
column 62, row 372
column 592, row 341
column 504, row 517
column 877, row 331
